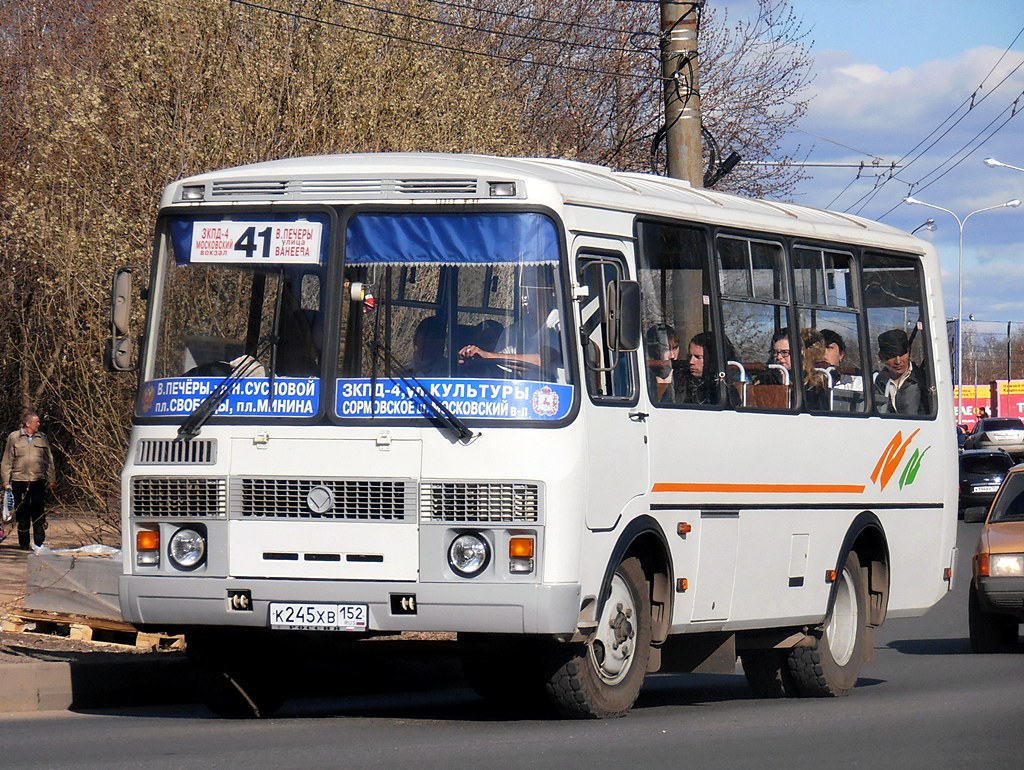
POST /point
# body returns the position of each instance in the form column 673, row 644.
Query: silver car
column 1006, row 433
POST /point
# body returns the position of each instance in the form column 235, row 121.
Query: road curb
column 114, row 680
column 100, row 681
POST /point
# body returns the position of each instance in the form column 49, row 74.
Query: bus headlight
column 469, row 554
column 187, row 548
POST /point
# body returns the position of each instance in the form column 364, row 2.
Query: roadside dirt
column 68, row 528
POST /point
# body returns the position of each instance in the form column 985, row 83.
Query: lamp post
column 960, row 286
column 993, row 163
column 928, row 224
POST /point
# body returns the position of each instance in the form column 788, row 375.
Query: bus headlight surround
column 187, row 548
column 469, row 554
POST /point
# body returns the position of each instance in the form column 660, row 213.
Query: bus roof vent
column 437, row 187
column 254, row 188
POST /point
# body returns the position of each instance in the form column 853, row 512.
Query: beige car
column 995, row 607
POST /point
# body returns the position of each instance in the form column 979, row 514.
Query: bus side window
column 683, row 367
column 902, row 359
column 609, row 373
column 756, row 319
column 829, row 314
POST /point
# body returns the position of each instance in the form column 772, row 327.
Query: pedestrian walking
column 27, row 470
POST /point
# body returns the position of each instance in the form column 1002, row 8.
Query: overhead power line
column 442, row 46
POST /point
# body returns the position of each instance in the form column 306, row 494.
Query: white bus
column 596, row 424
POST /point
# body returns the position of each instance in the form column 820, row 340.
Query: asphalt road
column 925, row 701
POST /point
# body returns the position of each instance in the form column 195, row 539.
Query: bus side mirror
column 119, row 355
column 623, row 310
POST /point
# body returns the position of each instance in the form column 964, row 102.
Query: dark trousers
column 29, row 498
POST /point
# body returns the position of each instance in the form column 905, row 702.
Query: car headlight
column 1006, row 565
column 469, row 554
column 187, row 548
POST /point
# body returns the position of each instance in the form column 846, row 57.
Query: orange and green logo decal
column 891, row 457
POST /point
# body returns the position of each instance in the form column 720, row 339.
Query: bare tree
column 96, row 121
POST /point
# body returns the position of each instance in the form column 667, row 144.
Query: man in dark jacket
column 901, row 387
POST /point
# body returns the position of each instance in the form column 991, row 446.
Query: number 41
column 247, row 242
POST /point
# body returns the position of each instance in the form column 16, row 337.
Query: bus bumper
column 459, row 607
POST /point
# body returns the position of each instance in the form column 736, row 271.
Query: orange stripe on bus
column 832, row 489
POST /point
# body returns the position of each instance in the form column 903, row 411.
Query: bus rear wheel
column 602, row 677
column 831, row 667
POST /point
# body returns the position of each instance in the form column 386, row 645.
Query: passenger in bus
column 531, row 344
column 428, row 359
column 778, row 368
column 700, row 383
column 847, row 382
column 662, row 355
column 900, row 388
column 816, row 380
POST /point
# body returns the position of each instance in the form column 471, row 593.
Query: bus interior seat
column 767, row 396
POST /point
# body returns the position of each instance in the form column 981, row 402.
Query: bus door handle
column 638, row 416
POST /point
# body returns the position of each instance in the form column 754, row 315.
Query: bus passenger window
column 829, row 312
column 681, row 350
column 902, row 358
column 755, row 314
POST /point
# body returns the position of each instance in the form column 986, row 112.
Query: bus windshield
column 462, row 308
column 441, row 315
column 239, row 297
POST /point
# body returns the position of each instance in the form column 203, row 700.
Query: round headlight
column 469, row 554
column 187, row 548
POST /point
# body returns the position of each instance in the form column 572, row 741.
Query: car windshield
column 1009, row 505
column 985, row 464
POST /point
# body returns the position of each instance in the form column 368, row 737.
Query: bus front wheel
column 831, row 667
column 602, row 677
column 231, row 681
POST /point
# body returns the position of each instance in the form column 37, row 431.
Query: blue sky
column 891, row 79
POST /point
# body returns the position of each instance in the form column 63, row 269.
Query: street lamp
column 960, row 285
column 993, row 163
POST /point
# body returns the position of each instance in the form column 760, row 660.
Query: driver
column 532, row 340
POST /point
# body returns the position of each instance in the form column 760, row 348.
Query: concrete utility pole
column 682, row 98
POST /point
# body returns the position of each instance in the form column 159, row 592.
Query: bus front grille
column 178, row 497
column 171, row 452
column 345, row 499
column 479, row 502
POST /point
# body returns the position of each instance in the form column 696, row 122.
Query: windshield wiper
column 190, row 428
column 431, row 403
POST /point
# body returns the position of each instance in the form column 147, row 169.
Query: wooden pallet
column 86, row 629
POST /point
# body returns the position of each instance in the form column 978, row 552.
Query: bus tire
column 602, row 677
column 233, row 686
column 767, row 673
column 989, row 632
column 831, row 668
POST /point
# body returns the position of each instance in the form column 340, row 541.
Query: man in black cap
column 900, row 387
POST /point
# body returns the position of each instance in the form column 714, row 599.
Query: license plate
column 987, row 488
column 319, row 617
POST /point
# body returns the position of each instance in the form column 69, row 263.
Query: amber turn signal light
column 147, row 540
column 520, row 547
